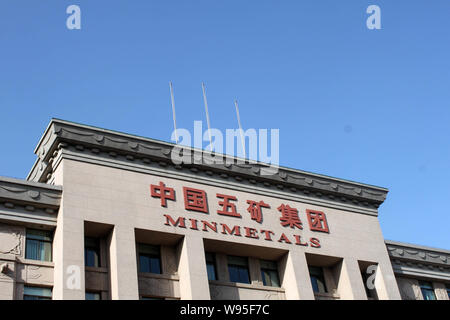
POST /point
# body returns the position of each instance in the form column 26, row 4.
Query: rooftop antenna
column 207, row 115
column 173, row 111
column 240, row 127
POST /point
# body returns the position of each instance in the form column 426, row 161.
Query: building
column 107, row 215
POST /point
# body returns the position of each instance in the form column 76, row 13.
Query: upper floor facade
column 107, row 215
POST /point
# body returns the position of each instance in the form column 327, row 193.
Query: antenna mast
column 240, row 127
column 173, row 111
column 207, row 115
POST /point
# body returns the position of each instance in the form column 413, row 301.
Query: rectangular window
column 91, row 252
column 448, row 290
column 371, row 293
column 37, row 293
column 93, row 296
column 211, row 265
column 269, row 273
column 427, row 290
column 149, row 258
column 151, row 298
column 238, row 269
column 317, row 279
column 38, row 245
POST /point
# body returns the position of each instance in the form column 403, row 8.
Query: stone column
column 68, row 258
column 350, row 285
column 294, row 275
column 440, row 291
column 192, row 269
column 385, row 283
column 123, row 264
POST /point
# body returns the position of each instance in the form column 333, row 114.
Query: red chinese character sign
column 317, row 221
column 255, row 210
column 228, row 208
column 289, row 217
column 161, row 191
column 195, row 200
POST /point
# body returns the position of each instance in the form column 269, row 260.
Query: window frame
column 150, row 256
column 91, row 247
column 428, row 287
column 150, row 298
column 239, row 267
column 370, row 293
column 269, row 270
column 37, row 296
column 30, row 238
column 93, row 292
column 214, row 265
column 321, row 277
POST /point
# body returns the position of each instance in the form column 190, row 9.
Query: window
column 427, row 290
column 448, row 290
column 91, row 252
column 317, row 279
column 37, row 293
column 149, row 258
column 211, row 266
column 269, row 273
column 238, row 269
column 371, row 293
column 151, row 298
column 38, row 245
column 93, row 296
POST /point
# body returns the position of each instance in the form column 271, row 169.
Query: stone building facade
column 107, row 215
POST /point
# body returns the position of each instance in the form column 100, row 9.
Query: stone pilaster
column 123, row 264
column 192, row 269
column 295, row 276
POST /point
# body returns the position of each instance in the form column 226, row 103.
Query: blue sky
column 366, row 105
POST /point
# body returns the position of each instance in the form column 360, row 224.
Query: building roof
column 419, row 261
column 29, row 202
column 29, row 192
column 61, row 134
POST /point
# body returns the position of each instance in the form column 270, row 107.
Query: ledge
column 323, row 296
column 418, row 254
column 29, row 194
column 420, row 270
column 416, row 246
column 28, row 262
column 158, row 276
column 37, row 263
column 119, row 146
column 96, row 269
column 244, row 286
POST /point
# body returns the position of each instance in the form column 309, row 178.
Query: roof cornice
column 29, row 194
column 62, row 134
column 418, row 254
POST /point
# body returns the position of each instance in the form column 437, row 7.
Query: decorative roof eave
column 62, row 134
column 29, row 194
column 417, row 254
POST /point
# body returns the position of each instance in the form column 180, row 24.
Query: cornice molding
column 86, row 139
column 29, row 195
column 418, row 256
column 421, row 270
